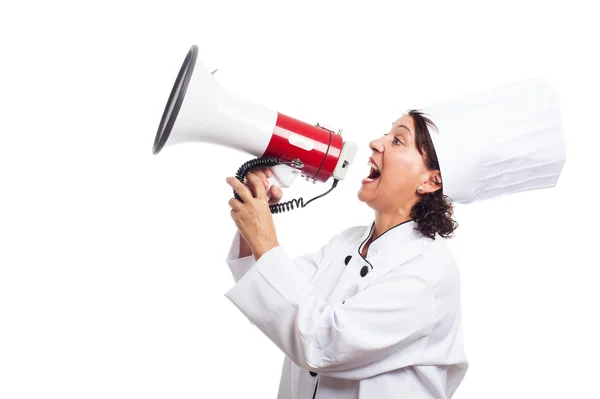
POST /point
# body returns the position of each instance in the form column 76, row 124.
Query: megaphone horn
column 200, row 109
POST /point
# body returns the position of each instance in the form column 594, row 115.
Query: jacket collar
column 394, row 247
column 391, row 239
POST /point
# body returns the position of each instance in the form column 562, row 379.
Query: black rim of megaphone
column 175, row 100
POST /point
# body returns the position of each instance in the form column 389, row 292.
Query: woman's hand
column 253, row 217
column 274, row 192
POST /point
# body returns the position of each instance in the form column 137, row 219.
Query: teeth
column 371, row 164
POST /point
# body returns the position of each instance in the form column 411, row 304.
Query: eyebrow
column 406, row 129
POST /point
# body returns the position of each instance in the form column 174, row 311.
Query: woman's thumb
column 276, row 194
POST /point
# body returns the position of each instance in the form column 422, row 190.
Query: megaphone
column 200, row 109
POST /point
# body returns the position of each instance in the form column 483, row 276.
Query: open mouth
column 374, row 174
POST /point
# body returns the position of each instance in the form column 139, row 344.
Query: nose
column 377, row 145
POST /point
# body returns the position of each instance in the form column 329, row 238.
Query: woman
column 376, row 312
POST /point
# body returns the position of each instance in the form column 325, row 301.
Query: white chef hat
column 499, row 141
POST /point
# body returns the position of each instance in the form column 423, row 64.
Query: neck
column 385, row 221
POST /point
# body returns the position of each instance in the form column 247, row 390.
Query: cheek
column 399, row 168
column 404, row 171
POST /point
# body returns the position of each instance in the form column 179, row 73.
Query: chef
column 376, row 311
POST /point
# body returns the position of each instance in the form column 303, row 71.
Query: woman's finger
column 258, row 186
column 276, row 194
column 235, row 204
column 248, row 183
column 268, row 172
column 240, row 188
column 261, row 174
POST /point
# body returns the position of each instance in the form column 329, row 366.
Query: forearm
column 260, row 247
column 239, row 258
column 245, row 249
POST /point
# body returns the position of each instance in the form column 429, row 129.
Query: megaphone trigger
column 283, row 177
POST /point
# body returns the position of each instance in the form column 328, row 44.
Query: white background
column 112, row 259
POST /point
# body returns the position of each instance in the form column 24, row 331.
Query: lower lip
column 366, row 180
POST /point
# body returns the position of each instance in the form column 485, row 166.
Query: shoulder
column 350, row 234
column 353, row 231
column 437, row 251
column 437, row 262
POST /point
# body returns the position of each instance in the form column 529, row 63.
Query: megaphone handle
column 283, row 176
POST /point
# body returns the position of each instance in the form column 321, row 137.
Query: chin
column 364, row 197
column 361, row 197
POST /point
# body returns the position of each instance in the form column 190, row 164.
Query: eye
column 397, row 141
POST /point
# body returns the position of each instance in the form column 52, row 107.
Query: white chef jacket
column 384, row 326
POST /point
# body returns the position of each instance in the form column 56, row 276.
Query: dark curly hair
column 433, row 212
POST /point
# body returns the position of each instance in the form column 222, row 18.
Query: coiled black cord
column 253, row 164
column 268, row 162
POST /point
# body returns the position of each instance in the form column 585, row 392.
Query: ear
column 431, row 182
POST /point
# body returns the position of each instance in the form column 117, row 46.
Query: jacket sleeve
column 238, row 266
column 307, row 265
column 381, row 328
